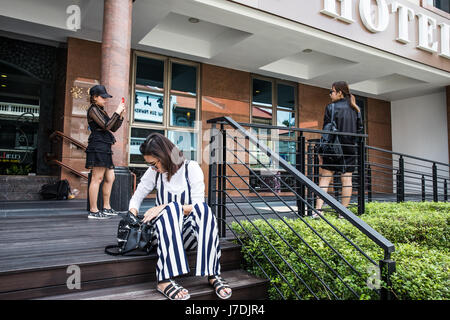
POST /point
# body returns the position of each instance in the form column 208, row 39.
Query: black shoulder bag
column 329, row 146
column 133, row 236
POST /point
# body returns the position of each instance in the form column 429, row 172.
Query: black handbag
column 134, row 237
column 329, row 146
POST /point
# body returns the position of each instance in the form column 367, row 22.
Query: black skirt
column 99, row 154
column 348, row 163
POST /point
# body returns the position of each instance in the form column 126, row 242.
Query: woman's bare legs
column 107, row 186
column 324, row 182
column 96, row 180
column 346, row 179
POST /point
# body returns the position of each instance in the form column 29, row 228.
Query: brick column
column 116, row 44
column 115, row 74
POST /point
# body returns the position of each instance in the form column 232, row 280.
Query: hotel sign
column 396, row 26
column 406, row 15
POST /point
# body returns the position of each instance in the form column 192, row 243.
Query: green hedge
column 425, row 223
column 420, row 232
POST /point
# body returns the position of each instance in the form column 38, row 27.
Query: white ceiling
column 234, row 36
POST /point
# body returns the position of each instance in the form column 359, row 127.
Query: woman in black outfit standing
column 348, row 119
column 98, row 152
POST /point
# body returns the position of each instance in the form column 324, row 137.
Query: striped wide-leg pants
column 176, row 234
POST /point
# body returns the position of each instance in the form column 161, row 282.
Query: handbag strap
column 186, row 173
column 112, row 253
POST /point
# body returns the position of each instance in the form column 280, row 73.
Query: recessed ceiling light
column 194, row 20
column 307, row 50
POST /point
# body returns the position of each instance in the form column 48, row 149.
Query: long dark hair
column 158, row 146
column 343, row 87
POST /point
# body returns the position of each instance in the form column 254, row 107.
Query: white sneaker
column 98, row 215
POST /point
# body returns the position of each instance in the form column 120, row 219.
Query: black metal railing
column 398, row 177
column 303, row 153
column 247, row 180
column 378, row 174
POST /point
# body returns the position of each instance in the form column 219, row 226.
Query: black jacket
column 101, row 126
column 347, row 120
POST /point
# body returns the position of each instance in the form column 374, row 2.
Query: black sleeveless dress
column 98, row 151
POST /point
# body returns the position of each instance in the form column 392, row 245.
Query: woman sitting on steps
column 182, row 219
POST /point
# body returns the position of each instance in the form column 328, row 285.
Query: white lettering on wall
column 405, row 15
column 365, row 10
column 376, row 19
column 330, row 9
column 445, row 40
column 427, row 28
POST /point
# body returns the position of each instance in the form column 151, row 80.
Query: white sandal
column 171, row 291
column 220, row 284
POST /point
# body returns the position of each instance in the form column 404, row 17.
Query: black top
column 101, row 126
column 347, row 120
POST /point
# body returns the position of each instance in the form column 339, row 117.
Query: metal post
column 300, row 166
column 445, row 191
column 435, row 183
column 362, row 178
column 369, row 183
column 401, row 180
column 423, row 189
column 222, row 224
column 315, row 171
column 387, row 268
column 310, row 173
column 212, row 192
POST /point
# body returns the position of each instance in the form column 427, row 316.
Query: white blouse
column 176, row 184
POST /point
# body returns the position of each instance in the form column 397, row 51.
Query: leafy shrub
column 421, row 274
column 425, row 223
column 420, row 233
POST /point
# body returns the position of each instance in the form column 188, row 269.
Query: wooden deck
column 36, row 250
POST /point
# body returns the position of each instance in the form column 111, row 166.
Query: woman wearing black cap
column 98, row 152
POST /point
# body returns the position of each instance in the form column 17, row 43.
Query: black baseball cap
column 99, row 90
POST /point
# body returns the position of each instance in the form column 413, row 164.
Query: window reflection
column 186, row 142
column 262, row 93
column 165, row 97
column 184, row 78
column 148, row 107
column 138, row 136
column 286, row 96
column 182, row 111
column 150, row 73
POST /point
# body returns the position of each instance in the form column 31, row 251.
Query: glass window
column 186, row 142
column 285, row 105
column 262, row 115
column 443, row 5
column 150, row 73
column 286, row 149
column 262, row 93
column 166, row 96
column 184, row 78
column 148, row 107
column 182, row 111
column 274, row 103
column 264, row 107
column 138, row 136
column 285, row 118
column 285, row 96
